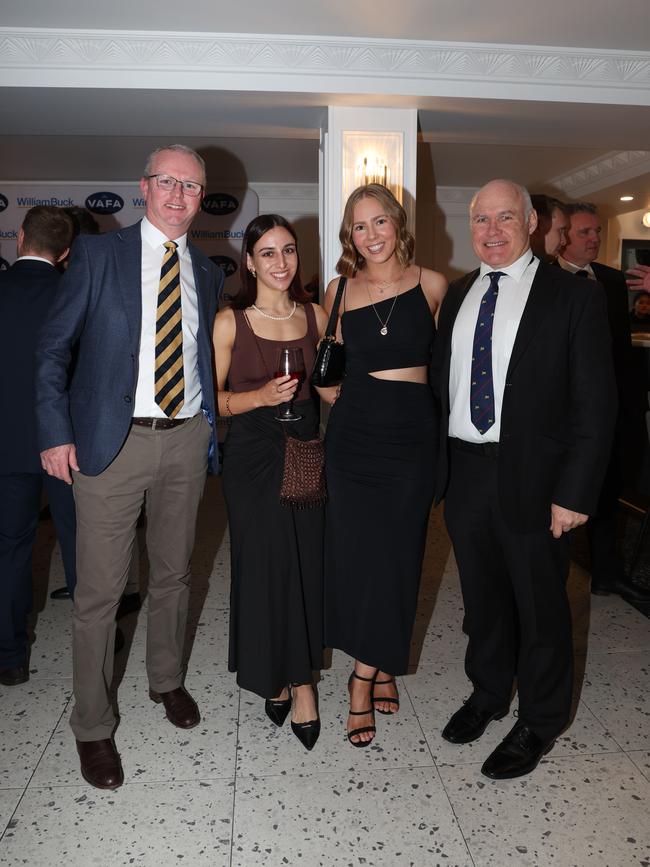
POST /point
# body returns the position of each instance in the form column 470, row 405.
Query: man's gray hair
column 581, row 208
column 523, row 192
column 178, row 148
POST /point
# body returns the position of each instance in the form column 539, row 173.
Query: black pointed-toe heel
column 277, row 710
column 307, row 732
column 370, row 712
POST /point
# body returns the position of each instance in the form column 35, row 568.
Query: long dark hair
column 247, row 282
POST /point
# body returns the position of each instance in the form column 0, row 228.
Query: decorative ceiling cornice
column 612, row 168
column 98, row 58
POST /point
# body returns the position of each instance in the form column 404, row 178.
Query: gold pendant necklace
column 384, row 325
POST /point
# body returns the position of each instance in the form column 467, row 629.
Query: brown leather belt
column 158, row 423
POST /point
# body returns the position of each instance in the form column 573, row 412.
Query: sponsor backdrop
column 218, row 228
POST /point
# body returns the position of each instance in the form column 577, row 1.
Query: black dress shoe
column 277, row 709
column 14, row 676
column 307, row 732
column 60, row 593
column 181, row 709
column 129, row 603
column 623, row 588
column 517, row 754
column 469, row 723
column 100, row 764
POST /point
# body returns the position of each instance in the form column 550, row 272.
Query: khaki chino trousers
column 165, row 470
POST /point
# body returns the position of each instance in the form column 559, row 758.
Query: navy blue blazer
column 98, row 304
column 26, row 292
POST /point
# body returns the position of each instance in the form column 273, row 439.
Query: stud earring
column 253, row 272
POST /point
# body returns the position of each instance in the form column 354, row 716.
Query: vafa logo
column 4, row 203
column 227, row 265
column 104, row 203
column 219, row 204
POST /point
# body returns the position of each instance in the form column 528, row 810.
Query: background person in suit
column 552, row 222
column 134, row 426
column 527, row 393
column 578, row 257
column 26, row 292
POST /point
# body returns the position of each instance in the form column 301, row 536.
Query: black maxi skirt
column 380, row 460
column 276, row 595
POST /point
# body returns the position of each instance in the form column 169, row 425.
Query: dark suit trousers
column 20, row 498
column 516, row 607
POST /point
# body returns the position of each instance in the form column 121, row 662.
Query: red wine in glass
column 289, row 362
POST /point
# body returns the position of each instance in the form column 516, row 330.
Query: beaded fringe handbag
column 303, row 478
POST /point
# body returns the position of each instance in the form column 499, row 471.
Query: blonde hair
column 351, row 260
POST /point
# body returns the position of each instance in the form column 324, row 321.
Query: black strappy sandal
column 363, row 729
column 387, row 699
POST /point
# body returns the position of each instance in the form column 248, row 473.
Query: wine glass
column 289, row 362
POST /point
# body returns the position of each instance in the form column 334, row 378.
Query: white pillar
column 388, row 136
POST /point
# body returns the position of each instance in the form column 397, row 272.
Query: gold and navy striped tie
column 169, row 387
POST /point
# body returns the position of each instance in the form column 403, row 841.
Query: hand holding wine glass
column 289, row 362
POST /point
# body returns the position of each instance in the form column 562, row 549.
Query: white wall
column 624, row 226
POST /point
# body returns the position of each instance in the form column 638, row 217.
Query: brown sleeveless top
column 247, row 371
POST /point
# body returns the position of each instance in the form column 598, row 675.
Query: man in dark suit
column 528, row 399
column 578, row 257
column 26, row 292
column 135, row 426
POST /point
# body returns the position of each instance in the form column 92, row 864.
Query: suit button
column 127, row 398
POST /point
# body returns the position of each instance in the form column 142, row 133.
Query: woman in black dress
column 381, row 450
column 276, row 592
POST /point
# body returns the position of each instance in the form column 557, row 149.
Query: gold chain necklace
column 384, row 325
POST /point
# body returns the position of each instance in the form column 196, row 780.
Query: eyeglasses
column 168, row 183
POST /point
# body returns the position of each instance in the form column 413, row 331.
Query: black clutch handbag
column 329, row 366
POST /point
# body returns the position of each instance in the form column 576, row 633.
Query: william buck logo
column 104, row 203
column 219, row 204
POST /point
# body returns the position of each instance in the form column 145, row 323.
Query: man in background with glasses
column 134, row 425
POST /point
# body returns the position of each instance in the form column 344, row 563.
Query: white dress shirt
column 573, row 269
column 514, row 288
column 153, row 251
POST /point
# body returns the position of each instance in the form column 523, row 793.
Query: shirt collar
column 34, row 259
column 155, row 238
column 570, row 266
column 515, row 270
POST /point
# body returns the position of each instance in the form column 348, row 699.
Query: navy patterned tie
column 481, row 395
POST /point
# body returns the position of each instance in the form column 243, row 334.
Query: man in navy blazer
column 26, row 292
column 134, row 426
column 528, row 401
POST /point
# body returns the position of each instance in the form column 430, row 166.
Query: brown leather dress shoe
column 100, row 764
column 181, row 709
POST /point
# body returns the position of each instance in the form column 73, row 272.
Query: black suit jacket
column 559, row 403
column 26, row 292
column 613, row 282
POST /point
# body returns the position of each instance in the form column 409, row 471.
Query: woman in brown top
column 276, row 635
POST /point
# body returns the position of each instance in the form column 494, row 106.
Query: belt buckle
column 154, row 423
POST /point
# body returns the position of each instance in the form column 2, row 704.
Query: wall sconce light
column 373, row 158
column 645, row 219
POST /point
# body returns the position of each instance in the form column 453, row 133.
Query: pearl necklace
column 275, row 318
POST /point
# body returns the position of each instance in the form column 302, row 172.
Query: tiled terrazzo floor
column 237, row 791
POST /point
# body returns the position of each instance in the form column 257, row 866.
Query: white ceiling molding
column 38, row 57
column 612, row 168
